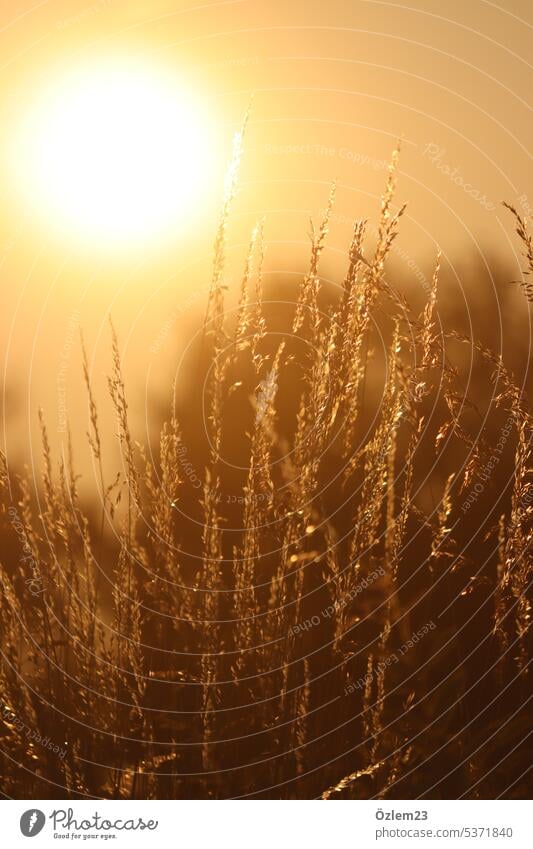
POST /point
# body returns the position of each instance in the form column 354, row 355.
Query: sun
column 115, row 155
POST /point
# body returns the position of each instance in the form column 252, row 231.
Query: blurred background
column 331, row 88
column 111, row 199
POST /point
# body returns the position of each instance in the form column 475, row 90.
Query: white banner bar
column 267, row 824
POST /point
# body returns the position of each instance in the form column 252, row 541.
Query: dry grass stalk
column 201, row 655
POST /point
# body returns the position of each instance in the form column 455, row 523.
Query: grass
column 342, row 609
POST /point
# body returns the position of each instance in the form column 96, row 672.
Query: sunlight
column 115, row 155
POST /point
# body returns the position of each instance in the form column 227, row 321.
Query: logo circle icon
column 32, row 822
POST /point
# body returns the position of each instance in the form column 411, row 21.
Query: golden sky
column 334, row 85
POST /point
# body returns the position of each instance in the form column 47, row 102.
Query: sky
column 331, row 87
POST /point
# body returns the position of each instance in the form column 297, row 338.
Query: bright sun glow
column 115, row 155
